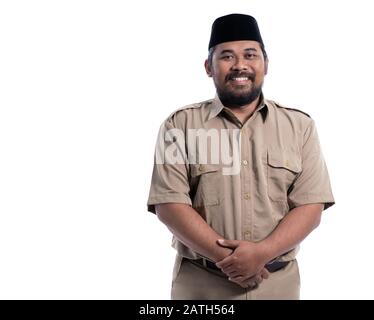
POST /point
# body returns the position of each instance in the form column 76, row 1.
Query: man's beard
column 231, row 99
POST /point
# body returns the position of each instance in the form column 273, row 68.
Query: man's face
column 238, row 69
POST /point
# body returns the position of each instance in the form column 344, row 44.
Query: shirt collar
column 217, row 107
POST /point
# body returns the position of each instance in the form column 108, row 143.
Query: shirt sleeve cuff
column 310, row 199
column 172, row 198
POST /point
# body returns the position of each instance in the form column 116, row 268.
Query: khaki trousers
column 193, row 282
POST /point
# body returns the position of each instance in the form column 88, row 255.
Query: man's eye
column 251, row 56
column 226, row 57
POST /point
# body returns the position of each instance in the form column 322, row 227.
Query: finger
column 229, row 269
column 239, row 281
column 265, row 274
column 253, row 285
column 233, row 244
column 234, row 274
column 225, row 263
column 247, row 284
column 258, row 279
column 242, row 281
column 243, row 285
column 252, row 282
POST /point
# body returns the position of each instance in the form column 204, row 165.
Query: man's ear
column 266, row 65
column 208, row 69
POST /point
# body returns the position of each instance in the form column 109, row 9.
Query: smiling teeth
column 240, row 79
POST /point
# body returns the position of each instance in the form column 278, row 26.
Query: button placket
column 245, row 183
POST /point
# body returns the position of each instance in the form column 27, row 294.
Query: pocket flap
column 198, row 169
column 286, row 159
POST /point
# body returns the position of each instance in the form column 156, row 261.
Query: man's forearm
column 295, row 226
column 191, row 229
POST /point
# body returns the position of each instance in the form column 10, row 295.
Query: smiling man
column 237, row 232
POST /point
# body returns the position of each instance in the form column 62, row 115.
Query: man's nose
column 239, row 64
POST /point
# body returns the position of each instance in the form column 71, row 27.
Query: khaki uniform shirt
column 280, row 167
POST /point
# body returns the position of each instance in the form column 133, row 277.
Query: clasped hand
column 246, row 265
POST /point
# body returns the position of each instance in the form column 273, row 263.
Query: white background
column 84, row 86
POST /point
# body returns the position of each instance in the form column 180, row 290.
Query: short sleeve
column 169, row 182
column 313, row 183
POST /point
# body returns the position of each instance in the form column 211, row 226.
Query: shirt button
column 247, row 196
column 201, row 167
column 245, row 162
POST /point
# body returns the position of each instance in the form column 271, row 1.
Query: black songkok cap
column 234, row 27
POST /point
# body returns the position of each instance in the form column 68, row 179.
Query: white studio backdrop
column 84, row 86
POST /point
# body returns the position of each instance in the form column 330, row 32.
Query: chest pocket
column 206, row 180
column 283, row 167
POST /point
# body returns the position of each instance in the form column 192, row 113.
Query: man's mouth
column 240, row 79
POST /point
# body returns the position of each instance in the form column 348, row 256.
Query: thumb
column 233, row 244
column 264, row 273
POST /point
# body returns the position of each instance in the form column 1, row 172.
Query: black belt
column 271, row 267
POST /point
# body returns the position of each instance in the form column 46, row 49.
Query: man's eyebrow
column 226, row 51
column 232, row 51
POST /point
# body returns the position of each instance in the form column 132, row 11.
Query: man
column 239, row 180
